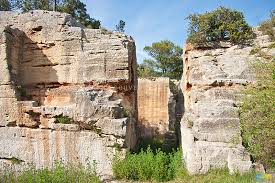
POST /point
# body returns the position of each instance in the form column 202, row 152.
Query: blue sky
column 149, row 21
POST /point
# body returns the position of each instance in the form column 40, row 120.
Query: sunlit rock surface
column 51, row 67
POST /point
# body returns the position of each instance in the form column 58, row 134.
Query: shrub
column 147, row 165
column 160, row 166
column 58, row 174
column 222, row 24
column 267, row 27
column 63, row 119
column 258, row 114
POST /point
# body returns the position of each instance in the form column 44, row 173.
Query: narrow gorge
column 72, row 94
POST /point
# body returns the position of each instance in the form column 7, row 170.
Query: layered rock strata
column 55, row 71
column 212, row 84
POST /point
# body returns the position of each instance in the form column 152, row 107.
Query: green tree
column 5, row 5
column 120, row 27
column 8, row 5
column 78, row 10
column 74, row 7
column 165, row 59
column 222, row 24
column 144, row 71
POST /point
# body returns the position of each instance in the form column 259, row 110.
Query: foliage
column 74, row 7
column 272, row 45
column 120, row 27
column 5, row 5
column 222, row 24
column 59, row 174
column 9, row 5
column 267, row 27
column 165, row 60
column 159, row 166
column 63, row 119
column 95, row 129
column 144, row 71
column 258, row 114
column 155, row 144
column 147, row 165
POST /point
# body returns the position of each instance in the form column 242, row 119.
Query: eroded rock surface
column 156, row 109
column 210, row 128
column 52, row 67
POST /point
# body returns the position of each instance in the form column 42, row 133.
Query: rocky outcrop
column 156, row 108
column 54, row 71
column 210, row 128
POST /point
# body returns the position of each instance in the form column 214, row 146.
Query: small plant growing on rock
column 96, row 129
column 63, row 119
column 105, row 31
column 271, row 46
column 117, row 147
column 189, row 123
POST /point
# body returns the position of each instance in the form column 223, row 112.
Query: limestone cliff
column 52, row 67
column 210, row 128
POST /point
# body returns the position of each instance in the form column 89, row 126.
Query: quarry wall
column 156, row 107
column 212, row 82
column 55, row 71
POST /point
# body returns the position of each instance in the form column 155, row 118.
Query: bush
column 59, row 174
column 258, row 115
column 160, row 166
column 222, row 24
column 147, row 165
column 63, row 119
column 267, row 27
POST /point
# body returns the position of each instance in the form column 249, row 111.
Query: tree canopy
column 74, row 7
column 222, row 24
column 120, row 27
column 165, row 60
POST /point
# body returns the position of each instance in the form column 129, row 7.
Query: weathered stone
column 43, row 147
column 210, row 128
column 156, row 107
column 52, row 68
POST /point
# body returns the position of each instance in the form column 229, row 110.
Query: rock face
column 55, row 70
column 210, row 128
column 156, row 108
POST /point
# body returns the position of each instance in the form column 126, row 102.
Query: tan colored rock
column 52, row 67
column 210, row 127
column 156, row 108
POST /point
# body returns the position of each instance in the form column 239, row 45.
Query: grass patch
column 218, row 176
column 63, row 119
column 59, row 174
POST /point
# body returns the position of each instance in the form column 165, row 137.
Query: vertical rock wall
column 53, row 70
column 210, row 128
column 156, row 108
